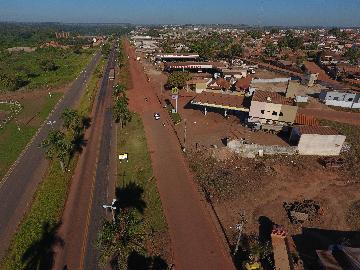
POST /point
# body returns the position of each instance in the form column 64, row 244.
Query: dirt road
column 195, row 241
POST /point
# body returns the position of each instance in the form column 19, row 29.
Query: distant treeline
column 35, row 34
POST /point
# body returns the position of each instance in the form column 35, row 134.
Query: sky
column 251, row 12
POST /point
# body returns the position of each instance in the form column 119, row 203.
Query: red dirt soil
column 196, row 243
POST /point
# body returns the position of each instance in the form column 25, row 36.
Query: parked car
column 157, row 116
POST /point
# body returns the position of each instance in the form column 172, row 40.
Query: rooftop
column 219, row 100
column 271, row 97
column 319, row 130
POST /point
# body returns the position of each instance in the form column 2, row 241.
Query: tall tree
column 116, row 240
column 73, row 121
column 121, row 112
column 58, row 147
column 178, row 79
column 118, row 90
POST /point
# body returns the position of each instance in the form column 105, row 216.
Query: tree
column 48, row 65
column 178, row 79
column 121, row 112
column 73, row 121
column 57, row 147
column 255, row 34
column 353, row 55
column 118, row 239
column 118, row 90
column 291, row 41
column 105, row 49
column 271, row 50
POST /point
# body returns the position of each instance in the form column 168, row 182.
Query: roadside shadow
column 79, row 143
column 312, row 239
column 40, row 255
column 86, row 121
column 265, row 228
column 137, row 261
column 130, row 196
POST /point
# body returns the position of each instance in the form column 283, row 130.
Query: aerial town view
column 187, row 135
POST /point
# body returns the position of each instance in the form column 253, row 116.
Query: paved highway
column 90, row 187
column 18, row 186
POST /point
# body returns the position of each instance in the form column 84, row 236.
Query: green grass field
column 33, row 238
column 138, row 171
column 13, row 140
column 28, row 69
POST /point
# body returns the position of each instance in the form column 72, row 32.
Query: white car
column 157, row 116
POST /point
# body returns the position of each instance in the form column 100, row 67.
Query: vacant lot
column 260, row 187
column 45, row 67
column 18, row 132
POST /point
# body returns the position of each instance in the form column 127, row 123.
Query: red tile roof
column 224, row 100
column 320, row 130
column 243, row 83
column 306, row 120
column 271, row 97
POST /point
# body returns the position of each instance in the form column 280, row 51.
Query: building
column 232, row 102
column 210, row 67
column 345, row 99
column 272, row 108
column 176, row 56
column 317, row 140
column 197, row 84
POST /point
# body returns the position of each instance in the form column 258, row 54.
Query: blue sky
column 253, row 12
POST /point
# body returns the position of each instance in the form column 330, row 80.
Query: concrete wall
column 251, row 150
column 274, row 80
column 320, row 145
column 344, row 104
column 289, row 113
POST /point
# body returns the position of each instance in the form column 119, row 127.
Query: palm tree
column 121, row 112
column 117, row 240
column 73, row 121
column 57, row 147
column 118, row 89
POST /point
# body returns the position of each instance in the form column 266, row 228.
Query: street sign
column 174, row 96
column 174, row 91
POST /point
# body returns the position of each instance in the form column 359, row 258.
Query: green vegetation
column 352, row 216
column 138, row 200
column 216, row 46
column 31, row 247
column 16, row 134
column 291, row 41
column 175, row 117
column 178, row 79
column 353, row 55
column 45, row 67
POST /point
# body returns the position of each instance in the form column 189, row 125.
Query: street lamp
column 112, row 207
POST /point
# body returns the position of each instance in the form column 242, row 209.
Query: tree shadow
column 86, row 121
column 265, row 228
column 79, row 143
column 130, row 196
column 40, row 255
column 137, row 261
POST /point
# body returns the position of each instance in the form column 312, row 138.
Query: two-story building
column 272, row 108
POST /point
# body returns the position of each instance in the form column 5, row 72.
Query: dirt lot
column 261, row 186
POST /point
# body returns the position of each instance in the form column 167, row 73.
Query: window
column 336, row 98
column 281, row 114
column 274, row 113
column 262, row 111
column 350, row 99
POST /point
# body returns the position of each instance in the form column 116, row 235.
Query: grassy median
column 136, row 181
column 36, row 234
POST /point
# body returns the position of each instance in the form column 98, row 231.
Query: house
column 242, row 84
column 219, row 84
column 317, row 140
column 197, row 84
column 345, row 99
column 272, row 108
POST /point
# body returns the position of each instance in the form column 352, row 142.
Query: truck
column 112, row 74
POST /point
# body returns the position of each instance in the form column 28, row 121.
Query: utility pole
column 239, row 227
column 184, row 135
column 112, row 207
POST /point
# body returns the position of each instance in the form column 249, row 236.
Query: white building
column 343, row 99
column 317, row 140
